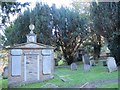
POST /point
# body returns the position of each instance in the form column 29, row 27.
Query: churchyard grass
column 75, row 77
column 113, row 85
column 4, row 83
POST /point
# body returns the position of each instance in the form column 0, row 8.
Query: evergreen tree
column 105, row 17
column 69, row 28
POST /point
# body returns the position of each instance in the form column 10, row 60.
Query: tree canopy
column 105, row 18
column 62, row 27
column 8, row 8
column 67, row 28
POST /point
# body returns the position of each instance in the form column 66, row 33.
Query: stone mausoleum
column 30, row 62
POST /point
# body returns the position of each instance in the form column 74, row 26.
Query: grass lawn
column 75, row 77
column 114, row 85
column 4, row 83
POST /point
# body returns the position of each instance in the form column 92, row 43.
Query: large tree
column 70, row 30
column 54, row 26
column 94, row 39
column 105, row 17
column 16, row 33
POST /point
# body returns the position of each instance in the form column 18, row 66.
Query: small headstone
column 5, row 72
column 73, row 66
column 64, row 79
column 86, row 59
column 92, row 63
column 86, row 67
column 111, row 64
column 86, row 62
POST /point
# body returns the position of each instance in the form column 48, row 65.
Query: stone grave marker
column 65, row 78
column 111, row 64
column 86, row 67
column 5, row 72
column 86, row 62
column 86, row 59
column 73, row 66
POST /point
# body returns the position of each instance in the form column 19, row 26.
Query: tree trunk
column 69, row 58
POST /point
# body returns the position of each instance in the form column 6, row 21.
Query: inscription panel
column 16, row 65
column 46, row 64
column 31, row 67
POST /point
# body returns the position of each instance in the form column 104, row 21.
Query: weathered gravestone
column 65, row 78
column 111, row 64
column 86, row 59
column 5, row 72
column 73, row 66
column 86, row 67
column 86, row 62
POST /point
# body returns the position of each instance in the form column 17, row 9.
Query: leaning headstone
column 73, row 66
column 111, row 64
column 5, row 72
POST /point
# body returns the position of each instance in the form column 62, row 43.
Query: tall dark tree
column 62, row 27
column 105, row 22
column 70, row 31
column 16, row 33
column 94, row 39
column 42, row 20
